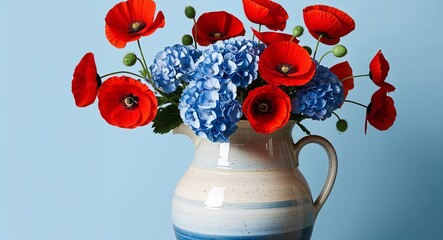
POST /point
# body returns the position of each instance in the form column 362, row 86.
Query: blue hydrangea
column 318, row 98
column 234, row 60
column 174, row 64
column 209, row 107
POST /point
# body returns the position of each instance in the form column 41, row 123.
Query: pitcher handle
column 332, row 171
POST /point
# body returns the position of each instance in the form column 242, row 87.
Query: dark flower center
column 285, row 69
column 216, row 34
column 263, row 107
column 136, row 27
column 129, row 101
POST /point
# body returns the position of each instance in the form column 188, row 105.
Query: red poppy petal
column 286, row 54
column 124, row 14
column 381, row 113
column 277, row 101
column 344, row 73
column 379, row 68
column 142, row 10
column 85, row 82
column 159, row 22
column 329, row 22
column 266, row 12
column 270, row 37
column 254, row 11
column 214, row 26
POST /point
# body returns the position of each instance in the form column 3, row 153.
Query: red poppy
column 378, row 71
column 86, row 81
column 328, row 22
column 286, row 63
column 270, row 37
column 130, row 20
column 267, row 108
column 381, row 112
column 266, row 12
column 126, row 102
column 214, row 26
column 344, row 73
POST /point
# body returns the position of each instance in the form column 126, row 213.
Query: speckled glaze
column 249, row 188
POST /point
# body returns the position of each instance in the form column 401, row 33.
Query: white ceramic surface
column 249, row 188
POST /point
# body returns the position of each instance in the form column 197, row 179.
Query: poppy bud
column 308, row 49
column 190, row 12
column 187, row 40
column 130, row 59
column 339, row 51
column 342, row 125
column 297, row 31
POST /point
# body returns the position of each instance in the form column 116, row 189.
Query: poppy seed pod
column 339, row 51
column 298, row 31
column 342, row 125
column 190, row 12
column 130, row 59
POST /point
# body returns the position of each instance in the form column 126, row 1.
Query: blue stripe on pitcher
column 303, row 234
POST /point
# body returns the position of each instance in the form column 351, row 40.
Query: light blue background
column 67, row 175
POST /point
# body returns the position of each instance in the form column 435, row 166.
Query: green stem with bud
column 356, row 76
column 144, row 65
column 319, row 61
column 259, row 30
column 335, row 114
column 121, row 72
column 356, row 103
column 303, row 128
column 316, row 46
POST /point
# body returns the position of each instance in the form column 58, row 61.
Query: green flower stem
column 168, row 99
column 195, row 33
column 144, row 65
column 356, row 103
column 303, row 128
column 335, row 114
column 259, row 30
column 121, row 72
column 319, row 61
column 356, row 76
column 316, row 46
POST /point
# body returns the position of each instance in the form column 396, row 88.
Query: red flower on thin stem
column 344, row 73
column 86, row 81
column 381, row 112
column 130, row 20
column 215, row 26
column 267, row 108
column 271, row 37
column 286, row 63
column 328, row 22
column 127, row 103
column 266, row 12
column 378, row 71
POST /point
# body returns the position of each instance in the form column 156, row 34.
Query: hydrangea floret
column 320, row 97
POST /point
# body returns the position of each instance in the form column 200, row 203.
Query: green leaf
column 167, row 118
column 144, row 73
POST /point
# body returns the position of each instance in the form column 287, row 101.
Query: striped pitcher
column 248, row 189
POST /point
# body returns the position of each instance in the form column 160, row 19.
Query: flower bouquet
column 217, row 76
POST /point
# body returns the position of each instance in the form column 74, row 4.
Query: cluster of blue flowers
column 209, row 107
column 173, row 65
column 234, row 60
column 208, row 102
column 319, row 97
